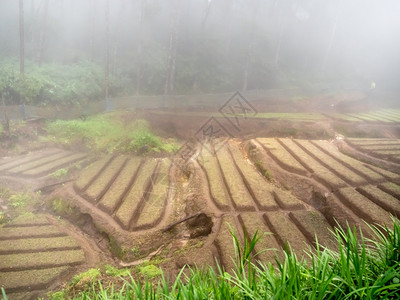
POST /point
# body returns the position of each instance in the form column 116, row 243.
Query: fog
column 202, row 46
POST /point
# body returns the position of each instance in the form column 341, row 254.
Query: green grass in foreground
column 108, row 132
column 361, row 268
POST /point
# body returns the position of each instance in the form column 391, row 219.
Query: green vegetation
column 19, row 200
column 150, row 271
column 292, row 116
column 88, row 277
column 50, row 83
column 60, row 173
column 136, row 251
column 113, row 271
column 382, row 115
column 61, row 207
column 360, row 268
column 107, row 132
column 2, row 218
column 264, row 171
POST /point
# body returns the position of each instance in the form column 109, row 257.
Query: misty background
column 197, row 46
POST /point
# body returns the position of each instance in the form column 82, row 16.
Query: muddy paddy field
column 295, row 175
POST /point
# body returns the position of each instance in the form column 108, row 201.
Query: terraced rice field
column 235, row 188
column 255, row 204
column 369, row 191
column 34, row 253
column 387, row 149
column 132, row 191
column 387, row 116
column 39, row 163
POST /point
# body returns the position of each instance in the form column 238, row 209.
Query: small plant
column 61, row 207
column 60, row 173
column 150, row 271
column 113, row 271
column 107, row 133
column 136, row 251
column 88, row 277
column 5, row 193
column 267, row 175
column 19, row 200
column 144, row 141
column 265, row 172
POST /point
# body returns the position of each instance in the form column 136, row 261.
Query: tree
column 139, row 48
column 332, row 36
column 42, row 34
column 107, row 60
column 21, row 37
column 173, row 46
